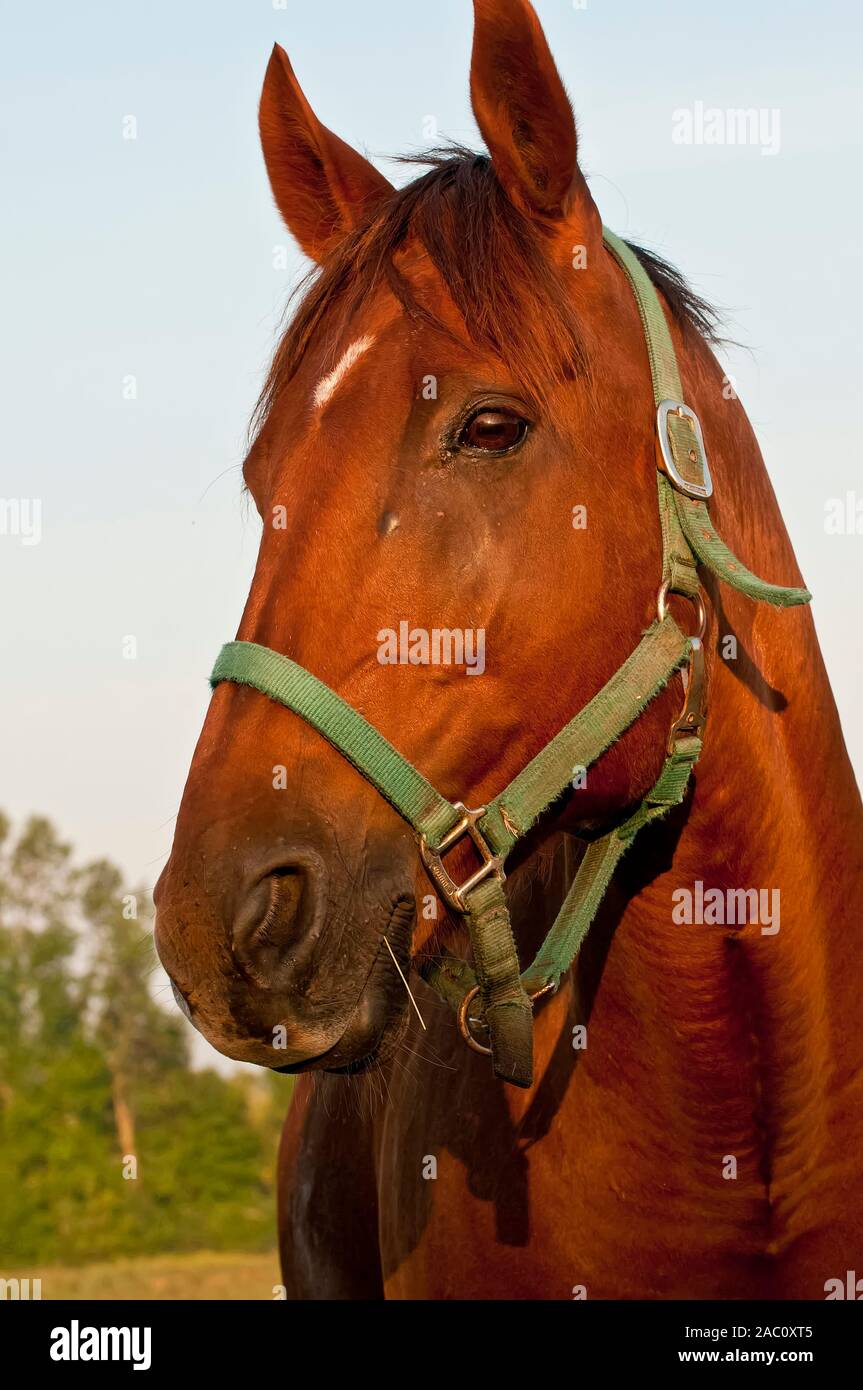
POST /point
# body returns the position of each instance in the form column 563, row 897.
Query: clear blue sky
column 154, row 258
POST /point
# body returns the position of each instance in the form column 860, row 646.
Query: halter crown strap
column 686, row 446
column 493, row 992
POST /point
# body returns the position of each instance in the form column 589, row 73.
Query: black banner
column 76, row 1338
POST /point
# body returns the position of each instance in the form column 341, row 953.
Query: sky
column 143, row 284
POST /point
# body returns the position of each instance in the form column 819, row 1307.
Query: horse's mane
column 492, row 262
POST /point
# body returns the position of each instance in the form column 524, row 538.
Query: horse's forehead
column 384, row 326
column 377, row 331
column 329, row 383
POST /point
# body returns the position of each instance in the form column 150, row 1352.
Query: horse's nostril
column 284, row 907
column 274, row 918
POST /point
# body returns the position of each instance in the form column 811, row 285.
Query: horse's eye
column 493, row 431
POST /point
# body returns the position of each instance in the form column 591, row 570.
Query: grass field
column 199, row 1276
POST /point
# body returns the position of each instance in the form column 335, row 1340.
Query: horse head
column 454, row 465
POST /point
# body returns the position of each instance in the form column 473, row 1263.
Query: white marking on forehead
column 328, row 384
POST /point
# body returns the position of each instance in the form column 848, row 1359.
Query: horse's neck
column 775, row 799
column 776, row 803
column 754, row 1021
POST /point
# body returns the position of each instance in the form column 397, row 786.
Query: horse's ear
column 524, row 113
column 322, row 187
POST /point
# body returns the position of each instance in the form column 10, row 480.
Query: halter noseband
column 493, row 993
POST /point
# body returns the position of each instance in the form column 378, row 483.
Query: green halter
column 492, row 993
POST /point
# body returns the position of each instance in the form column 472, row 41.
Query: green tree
column 93, row 1070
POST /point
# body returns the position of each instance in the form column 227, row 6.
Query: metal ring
column 464, row 1015
column 464, row 1023
column 696, row 599
column 550, row 988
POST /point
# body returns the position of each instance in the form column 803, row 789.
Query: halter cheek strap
column 492, row 996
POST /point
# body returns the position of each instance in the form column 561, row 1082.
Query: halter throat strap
column 492, row 995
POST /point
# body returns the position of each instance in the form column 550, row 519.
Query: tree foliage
column 96, row 1083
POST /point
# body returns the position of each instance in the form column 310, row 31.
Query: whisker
column 445, row 1066
column 405, row 983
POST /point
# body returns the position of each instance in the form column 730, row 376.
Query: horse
column 457, row 436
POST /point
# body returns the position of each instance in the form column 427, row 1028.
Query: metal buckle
column 701, row 491
column 693, row 716
column 492, row 864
